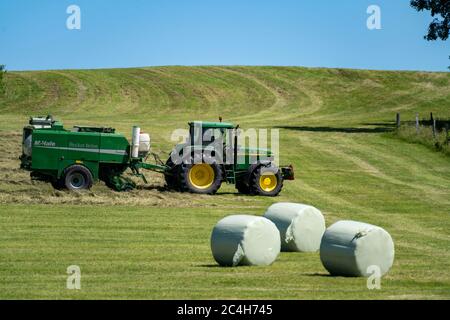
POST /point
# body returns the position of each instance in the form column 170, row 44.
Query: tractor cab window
column 212, row 135
column 205, row 136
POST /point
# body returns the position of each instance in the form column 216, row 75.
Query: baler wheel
column 57, row 184
column 77, row 177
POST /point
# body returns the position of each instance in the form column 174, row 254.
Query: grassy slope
column 155, row 244
column 424, row 136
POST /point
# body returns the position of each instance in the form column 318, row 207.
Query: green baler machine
column 76, row 158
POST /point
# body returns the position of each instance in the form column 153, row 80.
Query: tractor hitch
column 288, row 172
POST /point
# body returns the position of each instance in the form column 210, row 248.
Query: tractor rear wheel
column 77, row 177
column 171, row 177
column 200, row 178
column 242, row 187
column 266, row 181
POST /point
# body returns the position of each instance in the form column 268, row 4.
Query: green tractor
column 74, row 159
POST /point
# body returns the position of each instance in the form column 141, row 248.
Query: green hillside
column 152, row 243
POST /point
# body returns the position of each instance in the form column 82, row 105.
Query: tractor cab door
column 211, row 141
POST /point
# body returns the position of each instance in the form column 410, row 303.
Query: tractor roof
column 207, row 124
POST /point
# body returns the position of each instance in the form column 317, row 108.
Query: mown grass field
column 152, row 243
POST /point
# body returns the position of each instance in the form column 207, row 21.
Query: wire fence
column 436, row 125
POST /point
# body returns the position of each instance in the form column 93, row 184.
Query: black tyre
column 77, row 177
column 242, row 187
column 172, row 177
column 266, row 181
column 57, row 184
column 200, row 178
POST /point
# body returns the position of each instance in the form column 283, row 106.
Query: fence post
column 434, row 128
column 446, row 133
column 397, row 120
column 417, row 123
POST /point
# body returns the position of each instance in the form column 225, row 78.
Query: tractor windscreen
column 204, row 136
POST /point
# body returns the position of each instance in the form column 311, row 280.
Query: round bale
column 245, row 240
column 349, row 248
column 301, row 226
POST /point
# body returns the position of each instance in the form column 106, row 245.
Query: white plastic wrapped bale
column 245, row 240
column 301, row 226
column 349, row 248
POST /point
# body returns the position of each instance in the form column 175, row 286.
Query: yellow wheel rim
column 268, row 182
column 201, row 176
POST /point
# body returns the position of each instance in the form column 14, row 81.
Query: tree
column 439, row 28
column 440, row 10
column 2, row 72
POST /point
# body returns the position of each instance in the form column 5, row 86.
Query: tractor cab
column 223, row 136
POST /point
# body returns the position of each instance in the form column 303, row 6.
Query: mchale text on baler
column 76, row 158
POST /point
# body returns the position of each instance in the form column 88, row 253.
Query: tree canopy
column 440, row 10
column 2, row 71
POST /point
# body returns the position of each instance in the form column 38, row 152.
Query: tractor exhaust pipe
column 235, row 155
column 135, row 142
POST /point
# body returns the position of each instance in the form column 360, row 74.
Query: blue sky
column 119, row 33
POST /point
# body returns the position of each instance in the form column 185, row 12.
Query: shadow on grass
column 230, row 193
column 380, row 128
column 211, row 265
column 165, row 189
column 324, row 275
column 155, row 188
column 327, row 275
column 386, row 124
column 217, row 266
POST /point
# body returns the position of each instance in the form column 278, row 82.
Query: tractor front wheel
column 77, row 177
column 200, row 178
column 266, row 181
